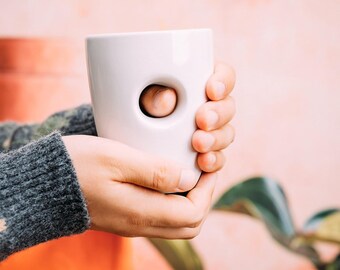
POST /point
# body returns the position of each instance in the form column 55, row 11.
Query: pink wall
column 287, row 58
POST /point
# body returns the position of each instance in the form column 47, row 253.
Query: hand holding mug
column 123, row 66
column 212, row 119
column 126, row 189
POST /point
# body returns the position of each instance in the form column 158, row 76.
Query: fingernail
column 211, row 161
column 212, row 118
column 219, row 89
column 187, row 180
column 209, row 141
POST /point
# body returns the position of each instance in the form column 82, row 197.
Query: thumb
column 139, row 168
column 158, row 101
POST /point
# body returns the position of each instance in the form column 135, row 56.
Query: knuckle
column 138, row 221
column 159, row 178
column 117, row 171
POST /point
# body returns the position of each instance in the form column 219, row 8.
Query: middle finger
column 215, row 114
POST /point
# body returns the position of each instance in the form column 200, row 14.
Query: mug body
column 121, row 66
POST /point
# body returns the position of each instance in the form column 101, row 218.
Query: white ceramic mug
column 121, row 66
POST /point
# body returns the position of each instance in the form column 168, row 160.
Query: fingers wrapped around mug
column 153, row 214
column 214, row 115
column 221, row 82
column 214, row 133
column 216, row 140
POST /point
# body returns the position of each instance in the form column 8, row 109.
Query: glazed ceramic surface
column 121, row 66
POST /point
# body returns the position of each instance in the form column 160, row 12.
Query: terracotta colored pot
column 39, row 77
column 42, row 56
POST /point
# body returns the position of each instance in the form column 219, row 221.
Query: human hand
column 125, row 190
column 212, row 118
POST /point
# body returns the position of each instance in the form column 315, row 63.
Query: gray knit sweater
column 40, row 198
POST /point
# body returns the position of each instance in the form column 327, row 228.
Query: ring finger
column 205, row 141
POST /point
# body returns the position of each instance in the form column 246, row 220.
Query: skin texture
column 130, row 193
column 2, row 225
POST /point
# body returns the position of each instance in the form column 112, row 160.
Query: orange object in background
column 39, row 77
column 89, row 250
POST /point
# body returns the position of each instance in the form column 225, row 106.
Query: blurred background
column 287, row 59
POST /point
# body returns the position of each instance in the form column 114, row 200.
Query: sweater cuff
column 78, row 120
column 40, row 196
column 6, row 130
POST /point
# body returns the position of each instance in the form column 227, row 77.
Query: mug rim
column 138, row 33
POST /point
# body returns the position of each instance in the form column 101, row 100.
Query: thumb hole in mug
column 158, row 101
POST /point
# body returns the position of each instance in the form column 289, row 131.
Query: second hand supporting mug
column 121, row 66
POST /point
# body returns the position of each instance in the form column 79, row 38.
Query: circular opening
column 158, row 101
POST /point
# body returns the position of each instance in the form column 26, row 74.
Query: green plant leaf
column 180, row 254
column 265, row 200
column 335, row 265
column 324, row 226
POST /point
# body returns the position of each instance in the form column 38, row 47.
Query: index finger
column 221, row 83
column 171, row 210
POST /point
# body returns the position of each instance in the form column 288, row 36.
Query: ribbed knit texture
column 40, row 198
column 6, row 131
column 74, row 121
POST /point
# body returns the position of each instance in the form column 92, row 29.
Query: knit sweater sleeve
column 40, row 198
column 78, row 120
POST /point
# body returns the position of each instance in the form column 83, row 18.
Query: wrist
column 40, row 199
